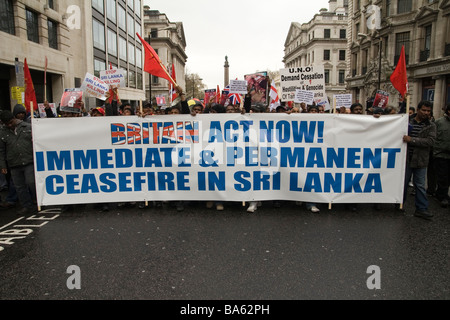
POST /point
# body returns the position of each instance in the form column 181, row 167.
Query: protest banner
column 94, row 87
column 302, row 96
column 322, row 158
column 42, row 112
column 238, row 86
column 115, row 78
column 381, row 99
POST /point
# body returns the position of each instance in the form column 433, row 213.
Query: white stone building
column 168, row 40
column 321, row 41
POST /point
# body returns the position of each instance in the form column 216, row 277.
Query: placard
column 115, row 78
column 238, row 86
column 94, row 87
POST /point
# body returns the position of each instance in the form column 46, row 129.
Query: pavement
column 282, row 253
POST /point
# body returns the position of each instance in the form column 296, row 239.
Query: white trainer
column 252, row 207
column 314, row 209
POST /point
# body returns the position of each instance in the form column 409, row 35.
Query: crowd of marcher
column 428, row 147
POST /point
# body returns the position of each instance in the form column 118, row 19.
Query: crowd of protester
column 428, row 155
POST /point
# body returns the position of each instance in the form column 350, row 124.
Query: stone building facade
column 422, row 27
column 77, row 37
column 321, row 41
column 169, row 42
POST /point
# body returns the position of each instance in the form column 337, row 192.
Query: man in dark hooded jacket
column 16, row 150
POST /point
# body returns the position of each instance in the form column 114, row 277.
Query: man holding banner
column 420, row 139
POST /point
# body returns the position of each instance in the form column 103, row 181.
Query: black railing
column 424, row 55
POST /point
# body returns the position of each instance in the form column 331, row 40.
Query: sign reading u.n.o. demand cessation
column 324, row 158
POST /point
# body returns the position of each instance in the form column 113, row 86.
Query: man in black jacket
column 16, row 150
column 421, row 137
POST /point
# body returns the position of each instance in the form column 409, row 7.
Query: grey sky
column 250, row 32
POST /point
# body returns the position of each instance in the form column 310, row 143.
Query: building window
column 138, row 8
column 404, row 6
column 32, row 26
column 327, row 76
column 341, row 55
column 139, row 81
column 343, row 34
column 341, row 76
column 132, row 79
column 50, row 4
column 138, row 58
column 326, row 55
column 388, row 8
column 98, row 5
column 154, row 33
column 401, row 39
column 98, row 32
column 130, row 4
column 52, row 34
column 425, row 54
column 130, row 25
column 122, row 48
column 327, row 34
column 7, row 17
column 111, row 10
column 138, row 28
column 112, row 43
column 122, row 18
column 131, row 54
column 99, row 65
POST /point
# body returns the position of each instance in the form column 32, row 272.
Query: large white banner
column 324, row 158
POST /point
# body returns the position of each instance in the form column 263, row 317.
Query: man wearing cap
column 16, row 149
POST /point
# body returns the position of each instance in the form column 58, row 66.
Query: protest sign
column 343, row 100
column 238, row 86
column 160, row 100
column 302, row 96
column 115, row 78
column 42, row 112
column 231, row 158
column 70, row 100
column 381, row 99
column 209, row 93
column 258, row 85
column 94, row 87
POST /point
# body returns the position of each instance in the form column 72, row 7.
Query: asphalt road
column 285, row 253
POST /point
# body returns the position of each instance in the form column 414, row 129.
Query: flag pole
column 408, row 102
column 45, row 79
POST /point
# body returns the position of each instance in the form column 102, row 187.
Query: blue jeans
column 419, row 176
column 23, row 178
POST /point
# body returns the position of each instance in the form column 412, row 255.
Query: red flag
column 218, row 95
column 30, row 94
column 173, row 92
column 153, row 64
column 399, row 78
